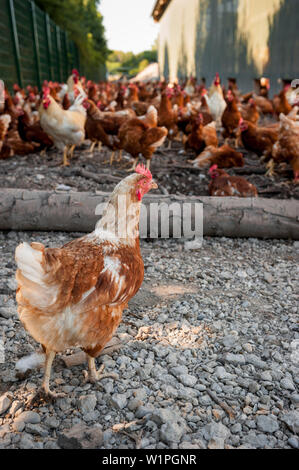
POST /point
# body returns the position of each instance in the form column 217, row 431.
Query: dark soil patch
column 170, row 169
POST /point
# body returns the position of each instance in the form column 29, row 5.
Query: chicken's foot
column 44, row 392
column 93, row 375
column 111, row 158
column 91, row 148
column 133, row 166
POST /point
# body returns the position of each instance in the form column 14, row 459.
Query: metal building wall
column 237, row 38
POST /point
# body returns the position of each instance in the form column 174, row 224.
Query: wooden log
column 22, row 209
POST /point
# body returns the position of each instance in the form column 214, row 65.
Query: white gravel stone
column 119, row 400
column 87, row 403
column 291, row 419
column 171, row 432
column 287, row 384
column 215, row 430
column 28, row 417
column 267, row 423
column 5, row 402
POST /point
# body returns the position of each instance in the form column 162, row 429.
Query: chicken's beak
column 154, row 185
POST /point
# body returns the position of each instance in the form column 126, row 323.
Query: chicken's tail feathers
column 31, row 362
column 5, row 120
column 80, row 97
column 29, row 261
column 34, row 281
column 152, row 115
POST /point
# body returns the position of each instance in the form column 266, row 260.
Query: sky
column 129, row 25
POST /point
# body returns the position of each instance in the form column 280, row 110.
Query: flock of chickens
column 74, row 295
column 137, row 118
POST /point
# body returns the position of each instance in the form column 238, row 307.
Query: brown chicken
column 110, row 123
column 264, row 105
column 258, row 139
column 11, row 109
column 74, row 295
column 66, row 102
column 250, row 112
column 223, row 185
column 204, row 109
column 286, row 149
column 92, row 92
column 201, row 136
column 17, row 145
column 137, row 137
column 167, row 116
column 33, row 132
column 223, row 157
column 281, row 104
column 231, row 116
column 94, row 130
column 140, row 107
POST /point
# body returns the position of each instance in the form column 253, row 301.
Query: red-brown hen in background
column 224, row 185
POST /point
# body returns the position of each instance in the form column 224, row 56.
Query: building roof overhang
column 159, row 9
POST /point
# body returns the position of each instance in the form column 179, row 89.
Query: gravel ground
column 167, row 166
column 209, row 355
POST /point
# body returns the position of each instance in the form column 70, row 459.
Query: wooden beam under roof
column 159, row 9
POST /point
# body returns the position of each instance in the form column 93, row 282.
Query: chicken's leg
column 134, row 165
column 119, row 155
column 65, row 160
column 44, row 391
column 93, row 375
column 91, row 148
column 112, row 157
column 99, row 146
column 71, row 151
column 270, row 167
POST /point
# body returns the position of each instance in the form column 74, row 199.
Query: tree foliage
column 129, row 63
column 84, row 24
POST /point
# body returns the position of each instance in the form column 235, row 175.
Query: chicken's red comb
column 46, row 90
column 75, row 72
column 241, row 121
column 143, row 171
column 213, row 168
